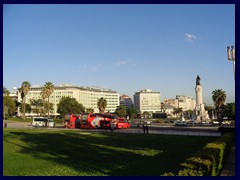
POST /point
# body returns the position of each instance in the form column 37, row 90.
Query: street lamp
column 231, row 57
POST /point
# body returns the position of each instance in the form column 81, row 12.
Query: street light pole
column 231, row 57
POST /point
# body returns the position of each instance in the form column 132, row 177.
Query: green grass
column 43, row 152
column 18, row 119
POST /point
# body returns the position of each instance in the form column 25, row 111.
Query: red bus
column 96, row 120
column 72, row 121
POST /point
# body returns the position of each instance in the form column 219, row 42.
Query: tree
column 210, row 110
column 9, row 106
column 177, row 110
column 47, row 106
column 189, row 113
column 28, row 108
column 146, row 114
column 132, row 112
column 230, row 110
column 219, row 97
column 5, row 91
column 39, row 106
column 25, row 87
column 121, row 111
column 102, row 104
column 89, row 110
column 46, row 93
column 68, row 105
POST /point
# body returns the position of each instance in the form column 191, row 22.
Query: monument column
column 200, row 111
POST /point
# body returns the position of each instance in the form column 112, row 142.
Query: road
column 157, row 128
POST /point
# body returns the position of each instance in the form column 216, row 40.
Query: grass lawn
column 44, row 152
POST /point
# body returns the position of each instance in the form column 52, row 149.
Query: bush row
column 209, row 160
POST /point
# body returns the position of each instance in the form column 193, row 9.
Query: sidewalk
column 229, row 166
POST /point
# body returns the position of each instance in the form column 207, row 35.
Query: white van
column 42, row 122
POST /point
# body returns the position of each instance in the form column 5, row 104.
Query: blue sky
column 126, row 48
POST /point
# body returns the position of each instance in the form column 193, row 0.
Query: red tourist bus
column 72, row 121
column 96, row 120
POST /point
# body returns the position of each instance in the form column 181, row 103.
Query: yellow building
column 87, row 96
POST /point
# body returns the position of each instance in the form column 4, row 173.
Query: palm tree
column 46, row 93
column 219, row 98
column 102, row 104
column 25, row 87
column 121, row 111
column 89, row 110
column 5, row 91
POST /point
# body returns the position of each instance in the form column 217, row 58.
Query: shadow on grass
column 111, row 154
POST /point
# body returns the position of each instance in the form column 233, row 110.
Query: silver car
column 180, row 123
column 51, row 123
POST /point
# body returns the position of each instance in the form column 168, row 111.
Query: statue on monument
column 198, row 80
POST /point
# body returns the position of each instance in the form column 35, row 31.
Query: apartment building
column 147, row 100
column 182, row 101
column 186, row 102
column 87, row 96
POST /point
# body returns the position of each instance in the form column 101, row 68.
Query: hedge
column 209, row 160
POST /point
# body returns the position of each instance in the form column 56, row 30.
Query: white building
column 147, row 100
column 182, row 101
column 186, row 102
column 87, row 96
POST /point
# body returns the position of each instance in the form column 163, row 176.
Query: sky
column 126, row 48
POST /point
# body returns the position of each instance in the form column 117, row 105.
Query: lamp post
column 231, row 57
column 201, row 113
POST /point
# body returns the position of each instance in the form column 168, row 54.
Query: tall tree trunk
column 48, row 108
column 24, row 108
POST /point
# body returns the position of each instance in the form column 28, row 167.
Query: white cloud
column 123, row 63
column 190, row 37
column 96, row 67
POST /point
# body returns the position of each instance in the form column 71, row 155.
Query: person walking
column 143, row 126
column 112, row 127
column 146, row 127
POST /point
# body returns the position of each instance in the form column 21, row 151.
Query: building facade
column 186, row 102
column 182, row 101
column 126, row 101
column 87, row 96
column 147, row 100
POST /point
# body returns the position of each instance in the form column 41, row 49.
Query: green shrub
column 209, row 160
column 168, row 174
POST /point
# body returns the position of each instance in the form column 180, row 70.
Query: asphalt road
column 163, row 128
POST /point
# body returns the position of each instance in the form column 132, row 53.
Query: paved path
column 229, row 167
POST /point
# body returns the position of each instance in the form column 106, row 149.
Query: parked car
column 180, row 123
column 226, row 122
column 148, row 122
column 122, row 125
column 194, row 122
column 51, row 123
column 215, row 122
